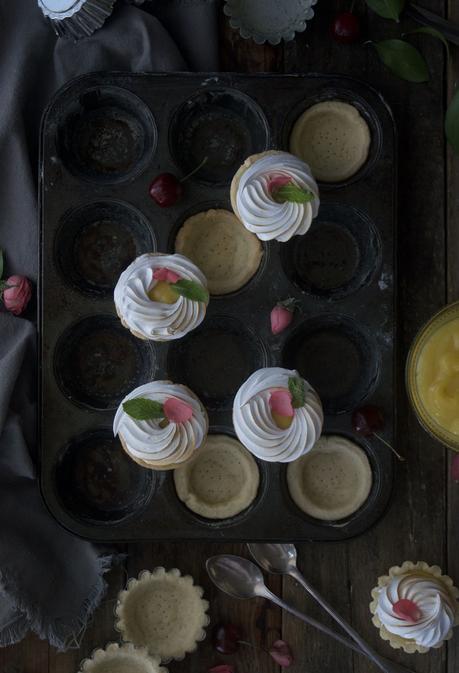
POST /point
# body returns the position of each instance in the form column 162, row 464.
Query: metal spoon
column 240, row 578
column 281, row 560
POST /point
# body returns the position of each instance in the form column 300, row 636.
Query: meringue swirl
column 257, row 209
column 256, row 428
column 151, row 319
column 437, row 606
column 147, row 441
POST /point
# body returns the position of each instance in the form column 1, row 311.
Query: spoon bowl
column 236, row 576
column 279, row 559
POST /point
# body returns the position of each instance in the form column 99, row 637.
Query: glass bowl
column 429, row 423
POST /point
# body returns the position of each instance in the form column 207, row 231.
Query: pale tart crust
column 163, row 612
column 125, row 658
column 332, row 481
column 221, row 481
column 162, row 465
column 333, row 138
column 226, row 252
column 240, row 172
column 421, row 567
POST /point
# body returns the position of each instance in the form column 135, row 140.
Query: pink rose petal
column 280, row 402
column 455, row 468
column 166, row 274
column 222, row 668
column 281, row 653
column 407, row 610
column 276, row 181
column 281, row 317
column 177, row 411
column 17, row 295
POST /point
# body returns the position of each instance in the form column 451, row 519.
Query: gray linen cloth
column 50, row 581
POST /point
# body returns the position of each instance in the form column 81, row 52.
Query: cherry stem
column 381, row 439
column 195, row 170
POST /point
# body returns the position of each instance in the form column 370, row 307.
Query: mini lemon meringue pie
column 161, row 424
column 277, row 415
column 275, row 196
column 161, row 297
column 415, row 607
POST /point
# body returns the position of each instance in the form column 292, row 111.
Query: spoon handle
column 391, row 666
column 382, row 663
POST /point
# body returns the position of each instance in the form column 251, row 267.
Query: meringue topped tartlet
column 161, row 424
column 161, row 297
column 275, row 195
column 415, row 607
column 277, row 415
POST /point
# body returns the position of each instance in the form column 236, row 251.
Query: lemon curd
column 437, row 375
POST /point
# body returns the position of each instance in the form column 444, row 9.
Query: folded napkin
column 50, row 581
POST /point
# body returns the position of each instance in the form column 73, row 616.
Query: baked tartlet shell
column 146, row 577
column 113, row 652
column 397, row 642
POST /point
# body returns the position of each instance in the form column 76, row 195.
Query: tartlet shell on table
column 407, row 644
column 137, row 587
column 242, row 13
column 133, row 659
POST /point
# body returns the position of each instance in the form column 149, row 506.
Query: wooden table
column 421, row 523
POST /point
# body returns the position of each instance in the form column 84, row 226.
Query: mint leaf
column 292, row 193
column 143, row 410
column 433, row 32
column 452, row 122
column 296, row 388
column 388, row 9
column 403, row 59
column 1, row 263
column 191, row 290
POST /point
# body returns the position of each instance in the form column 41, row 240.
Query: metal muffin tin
column 104, row 137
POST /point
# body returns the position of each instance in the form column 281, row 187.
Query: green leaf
column 403, row 59
column 452, row 122
column 292, row 193
column 143, row 409
column 191, row 290
column 433, row 32
column 388, row 9
column 1, row 263
column 296, row 387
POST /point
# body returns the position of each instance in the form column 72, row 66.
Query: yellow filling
column 163, row 292
column 282, row 422
column 437, row 376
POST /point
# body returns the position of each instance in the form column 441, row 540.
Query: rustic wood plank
column 452, row 256
column 28, row 656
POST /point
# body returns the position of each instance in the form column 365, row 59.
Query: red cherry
column 345, row 29
column 166, row 190
column 226, row 638
column 368, row 420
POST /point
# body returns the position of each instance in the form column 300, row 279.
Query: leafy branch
column 407, row 62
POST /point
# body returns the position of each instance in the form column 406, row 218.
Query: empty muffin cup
column 220, row 126
column 108, row 135
column 332, row 481
column 96, row 482
column 339, row 255
column 219, row 244
column 216, row 359
column 221, row 481
column 96, row 242
column 97, row 362
column 337, row 357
